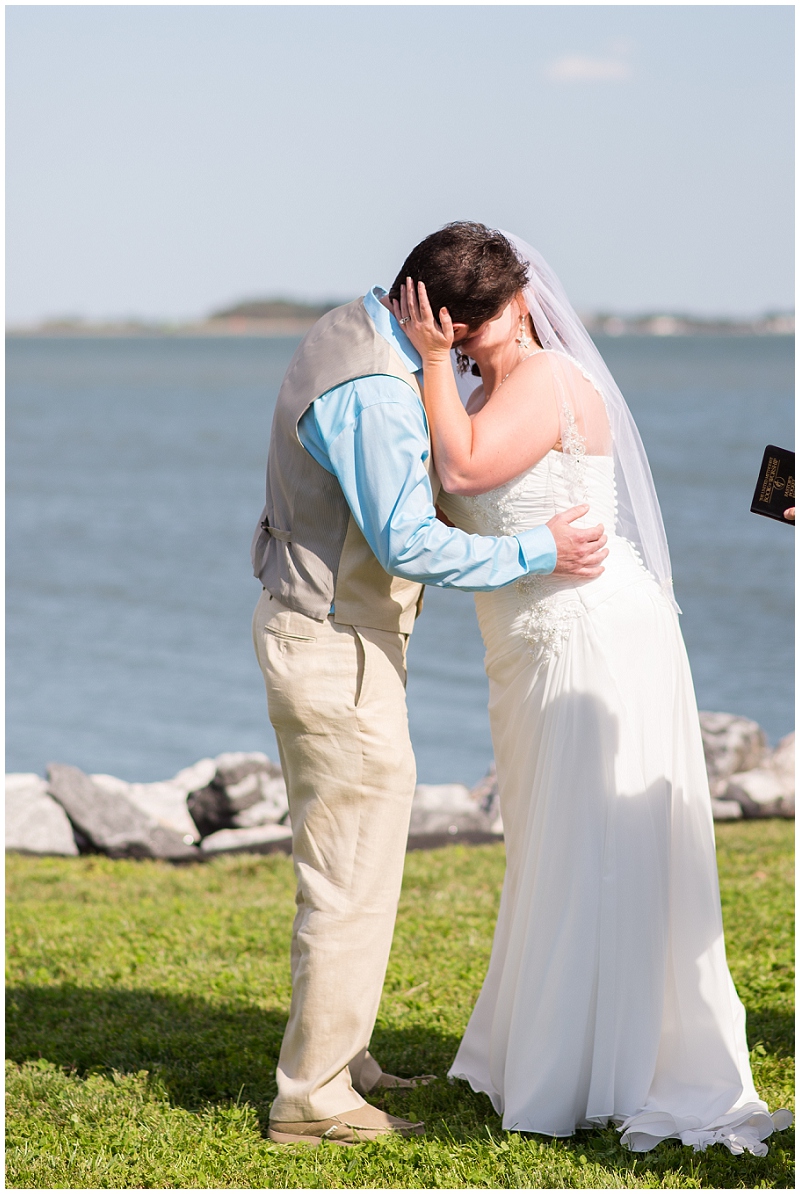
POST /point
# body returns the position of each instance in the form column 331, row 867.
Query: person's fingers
column 581, row 566
column 425, row 310
column 789, row 514
column 594, row 559
column 590, row 535
column 446, row 324
column 411, row 294
column 404, row 301
column 575, row 512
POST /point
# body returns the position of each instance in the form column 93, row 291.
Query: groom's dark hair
column 468, row 268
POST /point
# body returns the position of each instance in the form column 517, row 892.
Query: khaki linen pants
column 336, row 697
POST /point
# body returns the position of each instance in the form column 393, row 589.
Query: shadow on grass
column 206, row 1053
column 202, row 1052
column 772, row 1028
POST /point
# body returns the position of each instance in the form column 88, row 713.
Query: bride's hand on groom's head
column 432, row 340
column 579, row 551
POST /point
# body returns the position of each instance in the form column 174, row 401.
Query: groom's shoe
column 392, row 1082
column 366, row 1075
column 351, row 1127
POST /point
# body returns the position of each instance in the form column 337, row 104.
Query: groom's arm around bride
column 347, row 539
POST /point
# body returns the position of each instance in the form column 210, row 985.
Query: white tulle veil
column 560, row 330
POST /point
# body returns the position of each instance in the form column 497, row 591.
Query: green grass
column 146, row 1005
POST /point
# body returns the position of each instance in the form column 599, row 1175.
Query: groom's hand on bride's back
column 581, row 550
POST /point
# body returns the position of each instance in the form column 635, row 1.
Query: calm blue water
column 136, row 475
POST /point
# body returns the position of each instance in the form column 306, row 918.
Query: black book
column 775, row 489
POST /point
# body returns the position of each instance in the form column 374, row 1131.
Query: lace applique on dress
column 546, row 618
column 573, row 446
column 572, row 442
column 493, row 512
column 546, row 621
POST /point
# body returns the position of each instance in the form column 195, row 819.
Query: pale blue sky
column 166, row 160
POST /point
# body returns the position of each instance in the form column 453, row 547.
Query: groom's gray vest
column 308, row 551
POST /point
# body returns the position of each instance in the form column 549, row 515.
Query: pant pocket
column 290, row 636
column 361, row 667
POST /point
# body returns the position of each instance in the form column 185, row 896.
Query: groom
column 348, row 537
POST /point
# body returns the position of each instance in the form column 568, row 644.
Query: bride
column 608, row 996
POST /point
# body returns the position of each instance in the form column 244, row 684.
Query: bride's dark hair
column 468, row 268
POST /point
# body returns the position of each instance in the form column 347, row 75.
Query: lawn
column 146, row 1005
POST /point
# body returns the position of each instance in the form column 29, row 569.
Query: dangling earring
column 462, row 361
column 523, row 339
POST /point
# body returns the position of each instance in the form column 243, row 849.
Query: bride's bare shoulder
column 559, row 363
column 547, row 367
column 476, row 400
column 546, row 360
column 533, row 378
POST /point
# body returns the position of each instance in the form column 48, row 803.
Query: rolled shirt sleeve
column 371, row 434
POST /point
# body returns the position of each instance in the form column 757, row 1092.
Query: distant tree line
column 655, row 324
column 277, row 308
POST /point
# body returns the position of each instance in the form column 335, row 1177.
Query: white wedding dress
column 608, row 996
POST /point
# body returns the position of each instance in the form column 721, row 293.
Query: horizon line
column 309, row 311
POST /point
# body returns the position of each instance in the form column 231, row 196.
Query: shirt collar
column 389, row 328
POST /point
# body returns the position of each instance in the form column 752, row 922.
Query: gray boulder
column 760, row 793
column 35, row 822
column 486, row 794
column 767, row 790
column 209, row 809
column 447, row 809
column 261, row 839
column 247, row 789
column 781, row 763
column 110, row 821
column 725, row 810
column 233, row 767
column 196, row 776
column 163, row 802
column 731, row 745
column 271, row 808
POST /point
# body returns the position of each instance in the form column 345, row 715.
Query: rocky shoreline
column 236, row 803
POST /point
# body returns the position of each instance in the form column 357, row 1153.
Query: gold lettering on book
column 770, row 477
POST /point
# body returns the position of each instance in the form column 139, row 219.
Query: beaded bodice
column 552, row 485
column 542, row 608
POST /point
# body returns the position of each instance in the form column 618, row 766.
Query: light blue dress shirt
column 372, row 434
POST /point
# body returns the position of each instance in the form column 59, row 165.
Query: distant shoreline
column 211, row 329
column 241, row 326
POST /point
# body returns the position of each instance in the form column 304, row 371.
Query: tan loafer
column 392, row 1082
column 351, row 1127
column 367, row 1075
